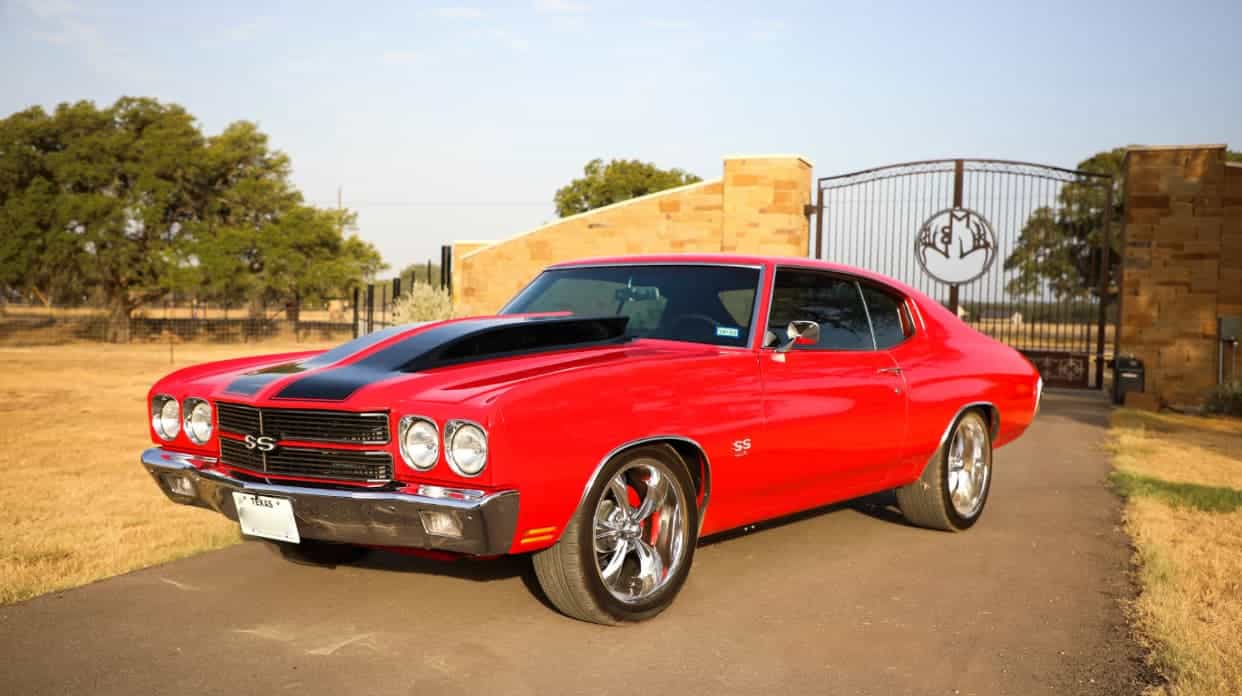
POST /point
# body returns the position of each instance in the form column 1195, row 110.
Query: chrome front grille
column 306, row 462
column 237, row 419
column 254, row 429
column 235, row 453
column 346, row 465
column 304, row 425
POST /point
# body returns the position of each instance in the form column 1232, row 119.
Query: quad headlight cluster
column 465, row 445
column 169, row 418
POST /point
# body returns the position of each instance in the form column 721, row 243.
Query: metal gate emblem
column 955, row 246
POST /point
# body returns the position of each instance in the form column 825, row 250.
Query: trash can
column 1128, row 376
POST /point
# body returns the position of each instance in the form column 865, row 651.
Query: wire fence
column 23, row 324
column 368, row 308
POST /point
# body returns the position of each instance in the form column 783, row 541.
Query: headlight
column 420, row 442
column 198, row 420
column 165, row 416
column 466, row 445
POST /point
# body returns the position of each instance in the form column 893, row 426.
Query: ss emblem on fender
column 263, row 443
column 741, row 447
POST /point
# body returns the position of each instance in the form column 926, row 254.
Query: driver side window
column 834, row 302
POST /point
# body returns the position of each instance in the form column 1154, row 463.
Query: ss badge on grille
column 263, row 443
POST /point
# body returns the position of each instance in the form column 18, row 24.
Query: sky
column 442, row 122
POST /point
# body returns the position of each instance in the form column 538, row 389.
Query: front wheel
column 951, row 493
column 627, row 550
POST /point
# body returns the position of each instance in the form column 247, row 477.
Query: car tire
column 612, row 565
column 319, row 553
column 954, row 487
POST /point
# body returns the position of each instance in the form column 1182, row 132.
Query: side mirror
column 800, row 333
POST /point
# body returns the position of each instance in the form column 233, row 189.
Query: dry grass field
column 1182, row 476
column 75, row 506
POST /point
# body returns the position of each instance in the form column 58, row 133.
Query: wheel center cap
column 631, row 531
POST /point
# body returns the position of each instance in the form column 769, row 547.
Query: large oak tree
column 127, row 203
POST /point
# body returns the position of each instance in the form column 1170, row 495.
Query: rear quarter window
column 890, row 320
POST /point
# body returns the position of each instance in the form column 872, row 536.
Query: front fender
column 553, row 436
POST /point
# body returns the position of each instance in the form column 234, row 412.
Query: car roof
column 739, row 260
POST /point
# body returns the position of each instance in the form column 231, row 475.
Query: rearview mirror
column 799, row 333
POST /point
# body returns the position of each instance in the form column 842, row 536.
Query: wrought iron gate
column 1023, row 252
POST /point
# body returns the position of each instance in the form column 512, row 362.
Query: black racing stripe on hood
column 456, row 343
column 251, row 383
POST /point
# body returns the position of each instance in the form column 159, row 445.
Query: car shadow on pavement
column 473, row 569
column 881, row 506
column 477, row 570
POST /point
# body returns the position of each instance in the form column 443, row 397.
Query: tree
column 99, row 198
column 306, row 258
column 260, row 242
column 1059, row 247
column 131, row 202
column 39, row 251
column 426, row 272
column 619, row 180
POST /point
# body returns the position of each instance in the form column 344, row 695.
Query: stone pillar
column 460, row 249
column 1172, row 273
column 1231, row 244
column 764, row 197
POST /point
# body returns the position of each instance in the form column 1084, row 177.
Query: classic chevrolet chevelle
column 613, row 413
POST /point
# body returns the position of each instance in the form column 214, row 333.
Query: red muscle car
column 615, row 411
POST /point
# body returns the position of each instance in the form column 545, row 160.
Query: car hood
column 453, row 361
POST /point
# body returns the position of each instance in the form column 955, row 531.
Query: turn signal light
column 443, row 524
column 179, row 485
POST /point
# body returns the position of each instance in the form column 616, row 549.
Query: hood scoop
column 456, row 343
column 529, row 336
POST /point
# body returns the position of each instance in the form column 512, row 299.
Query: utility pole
column 340, row 211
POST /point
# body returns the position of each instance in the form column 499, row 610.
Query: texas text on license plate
column 267, row 517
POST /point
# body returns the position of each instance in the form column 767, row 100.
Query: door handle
column 889, row 371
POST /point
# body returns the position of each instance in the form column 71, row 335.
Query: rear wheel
column 953, row 490
column 627, row 550
column 324, row 553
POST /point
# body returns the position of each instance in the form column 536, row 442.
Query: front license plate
column 263, row 516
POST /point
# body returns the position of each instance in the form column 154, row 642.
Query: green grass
column 1185, row 495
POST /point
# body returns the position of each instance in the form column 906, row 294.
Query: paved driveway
column 844, row 601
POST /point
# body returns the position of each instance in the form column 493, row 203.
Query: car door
column 835, row 411
column 894, row 330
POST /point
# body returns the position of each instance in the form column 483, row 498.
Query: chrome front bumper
column 374, row 518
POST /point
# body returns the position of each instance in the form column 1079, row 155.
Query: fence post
column 357, row 297
column 446, row 268
column 370, row 308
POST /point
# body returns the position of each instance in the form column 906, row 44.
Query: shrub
column 1226, row 399
column 423, row 302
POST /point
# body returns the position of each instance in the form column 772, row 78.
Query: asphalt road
column 844, row 601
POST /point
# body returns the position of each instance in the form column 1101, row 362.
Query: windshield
column 700, row 304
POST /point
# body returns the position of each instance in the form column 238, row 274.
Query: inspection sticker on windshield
column 728, row 331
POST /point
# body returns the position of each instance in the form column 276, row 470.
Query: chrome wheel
column 641, row 530
column 970, row 467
